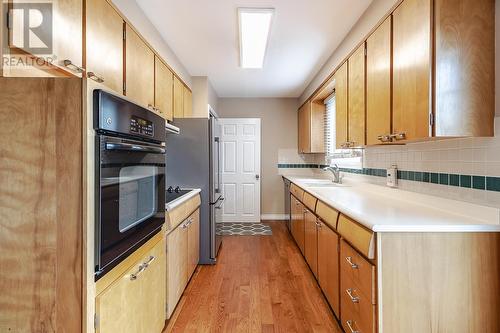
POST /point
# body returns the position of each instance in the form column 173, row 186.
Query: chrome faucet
column 337, row 178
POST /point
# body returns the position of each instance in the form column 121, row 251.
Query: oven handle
column 134, row 147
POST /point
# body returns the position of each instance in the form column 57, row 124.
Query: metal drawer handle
column 353, row 298
column 384, row 138
column 398, row 136
column 349, row 324
column 71, row 66
column 150, row 260
column 95, row 77
column 353, row 265
column 135, row 275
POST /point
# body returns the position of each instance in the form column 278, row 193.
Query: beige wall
column 279, row 131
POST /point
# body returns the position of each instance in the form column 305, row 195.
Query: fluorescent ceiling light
column 255, row 24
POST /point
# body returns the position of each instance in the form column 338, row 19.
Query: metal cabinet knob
column 349, row 324
column 353, row 265
column 354, row 299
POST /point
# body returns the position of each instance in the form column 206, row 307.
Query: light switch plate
column 392, row 176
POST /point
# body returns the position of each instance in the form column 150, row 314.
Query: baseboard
column 279, row 217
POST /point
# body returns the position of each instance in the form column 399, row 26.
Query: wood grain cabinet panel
column 311, row 129
column 135, row 302
column 178, row 98
column 465, row 67
column 65, row 33
column 177, row 266
column 193, row 242
column 378, row 83
column 297, row 223
column 304, row 126
column 164, row 90
column 328, row 266
column 356, row 96
column 311, row 241
column 341, row 102
column 139, row 69
column 104, row 44
column 188, row 103
column 412, row 69
column 41, row 220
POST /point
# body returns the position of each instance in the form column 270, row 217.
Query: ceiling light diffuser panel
column 255, row 24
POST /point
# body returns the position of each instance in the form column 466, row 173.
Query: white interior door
column 241, row 169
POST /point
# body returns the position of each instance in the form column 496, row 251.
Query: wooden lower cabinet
column 297, row 223
column 357, row 291
column 182, row 258
column 328, row 265
column 135, row 301
column 193, row 242
column 311, row 241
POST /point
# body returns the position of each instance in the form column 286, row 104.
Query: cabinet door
column 311, row 241
column 139, row 69
column 304, row 124
column 340, row 78
column 164, row 90
column 177, row 264
column 135, row 302
column 298, row 223
column 378, row 83
column 193, row 242
column 178, row 98
column 356, row 96
column 328, row 266
column 188, row 103
column 104, row 44
column 412, row 68
column 60, row 41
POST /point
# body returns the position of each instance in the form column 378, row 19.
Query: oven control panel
column 141, row 126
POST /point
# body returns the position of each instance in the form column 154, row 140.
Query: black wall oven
column 130, row 178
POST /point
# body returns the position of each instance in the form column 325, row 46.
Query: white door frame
column 241, row 169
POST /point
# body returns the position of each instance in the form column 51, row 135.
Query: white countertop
column 384, row 209
column 180, row 200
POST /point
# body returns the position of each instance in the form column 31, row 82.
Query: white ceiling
column 204, row 35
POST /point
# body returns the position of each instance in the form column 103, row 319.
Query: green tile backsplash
column 466, row 181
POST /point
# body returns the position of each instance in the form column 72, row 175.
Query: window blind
column 330, row 126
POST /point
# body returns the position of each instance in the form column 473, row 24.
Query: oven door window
column 137, row 195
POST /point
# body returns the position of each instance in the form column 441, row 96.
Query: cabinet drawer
column 327, row 214
column 309, row 201
column 297, row 191
column 357, row 269
column 361, row 238
column 357, row 310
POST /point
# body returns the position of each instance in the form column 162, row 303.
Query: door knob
column 257, row 177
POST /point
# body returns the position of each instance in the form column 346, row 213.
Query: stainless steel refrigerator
column 194, row 161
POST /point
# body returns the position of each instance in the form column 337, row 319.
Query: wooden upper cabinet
column 378, row 84
column 187, row 103
column 178, row 98
column 412, row 69
column 304, row 118
column 340, row 78
column 356, row 96
column 164, row 90
column 311, row 122
column 104, row 44
column 465, row 67
column 64, row 37
column 139, row 69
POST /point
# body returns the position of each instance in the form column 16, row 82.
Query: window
column 344, row 158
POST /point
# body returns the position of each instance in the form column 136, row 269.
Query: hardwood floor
column 260, row 284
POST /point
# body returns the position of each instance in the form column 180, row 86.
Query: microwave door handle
column 134, row 147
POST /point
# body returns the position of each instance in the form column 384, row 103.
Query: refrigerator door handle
column 219, row 178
